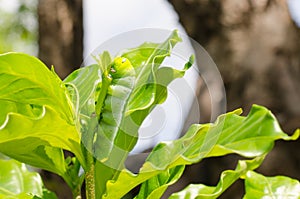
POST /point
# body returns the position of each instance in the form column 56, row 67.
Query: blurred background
column 254, row 43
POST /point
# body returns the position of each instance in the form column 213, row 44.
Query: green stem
column 90, row 179
column 90, row 164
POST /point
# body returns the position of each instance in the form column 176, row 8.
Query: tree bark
column 61, row 34
column 60, row 45
column 256, row 46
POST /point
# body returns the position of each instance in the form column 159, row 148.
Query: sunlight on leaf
column 258, row 186
column 207, row 140
column 37, row 119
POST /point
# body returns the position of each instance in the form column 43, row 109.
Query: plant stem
column 87, row 150
column 89, row 178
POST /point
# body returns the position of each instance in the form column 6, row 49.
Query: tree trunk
column 61, row 34
column 256, row 47
column 60, row 45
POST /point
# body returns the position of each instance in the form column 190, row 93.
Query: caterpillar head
column 121, row 66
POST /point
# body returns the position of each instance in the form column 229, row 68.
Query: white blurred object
column 294, row 7
column 105, row 19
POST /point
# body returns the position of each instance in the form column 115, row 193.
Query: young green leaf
column 82, row 84
column 258, row 186
column 17, row 182
column 227, row 178
column 146, row 59
column 230, row 134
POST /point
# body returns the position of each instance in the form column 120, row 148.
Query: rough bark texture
column 60, row 45
column 256, row 46
column 61, row 34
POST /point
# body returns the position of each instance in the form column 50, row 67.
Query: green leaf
column 258, row 186
column 82, row 84
column 17, row 182
column 104, row 61
column 21, row 135
column 146, row 59
column 249, row 136
column 226, row 180
column 26, row 80
column 157, row 185
column 44, row 157
column 164, row 76
column 35, row 113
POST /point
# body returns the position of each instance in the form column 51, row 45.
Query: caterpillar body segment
column 121, row 78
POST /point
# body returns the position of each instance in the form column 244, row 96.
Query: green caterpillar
column 117, row 83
